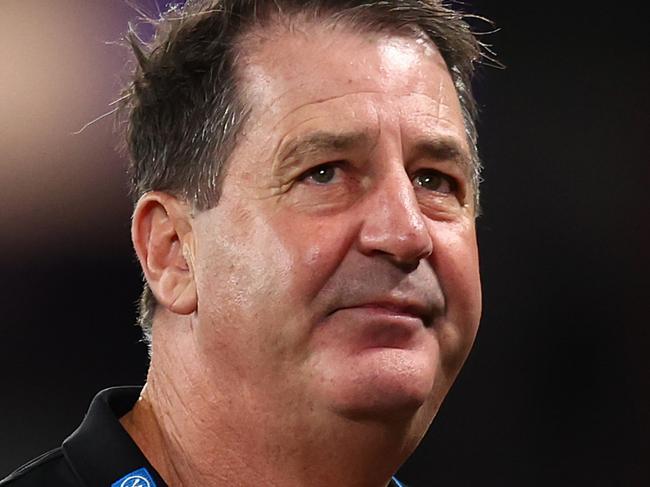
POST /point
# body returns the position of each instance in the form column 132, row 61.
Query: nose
column 393, row 224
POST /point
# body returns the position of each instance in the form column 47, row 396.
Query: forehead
column 316, row 74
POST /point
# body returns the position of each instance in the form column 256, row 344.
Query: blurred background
column 556, row 391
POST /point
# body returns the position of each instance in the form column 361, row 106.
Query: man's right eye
column 322, row 174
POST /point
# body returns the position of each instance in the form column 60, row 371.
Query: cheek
column 314, row 249
column 245, row 283
column 267, row 269
column 455, row 260
column 246, row 273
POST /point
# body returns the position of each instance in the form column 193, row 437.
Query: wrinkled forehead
column 329, row 73
column 320, row 60
column 261, row 41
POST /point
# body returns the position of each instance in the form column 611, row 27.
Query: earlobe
column 162, row 236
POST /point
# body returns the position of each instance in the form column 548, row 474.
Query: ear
column 161, row 230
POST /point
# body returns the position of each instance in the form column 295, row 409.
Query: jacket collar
column 101, row 452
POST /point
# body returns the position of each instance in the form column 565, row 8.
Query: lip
column 397, row 309
column 382, row 325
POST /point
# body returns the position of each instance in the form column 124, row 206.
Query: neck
column 196, row 432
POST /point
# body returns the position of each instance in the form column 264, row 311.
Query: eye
column 322, row 174
column 435, row 181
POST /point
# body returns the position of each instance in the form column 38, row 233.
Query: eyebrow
column 318, row 142
column 445, row 149
column 437, row 148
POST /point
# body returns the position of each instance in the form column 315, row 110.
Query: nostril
column 404, row 264
column 407, row 267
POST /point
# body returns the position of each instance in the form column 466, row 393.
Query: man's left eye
column 435, row 181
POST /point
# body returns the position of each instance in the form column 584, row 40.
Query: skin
column 312, row 322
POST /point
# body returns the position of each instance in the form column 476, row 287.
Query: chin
column 383, row 385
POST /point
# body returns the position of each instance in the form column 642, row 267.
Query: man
column 306, row 186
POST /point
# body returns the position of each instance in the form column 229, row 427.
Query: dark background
column 556, row 389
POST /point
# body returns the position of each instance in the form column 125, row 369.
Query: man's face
column 338, row 273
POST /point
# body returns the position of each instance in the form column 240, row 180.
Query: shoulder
column 51, row 469
column 98, row 452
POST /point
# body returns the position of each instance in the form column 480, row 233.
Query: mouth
column 380, row 325
column 400, row 310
